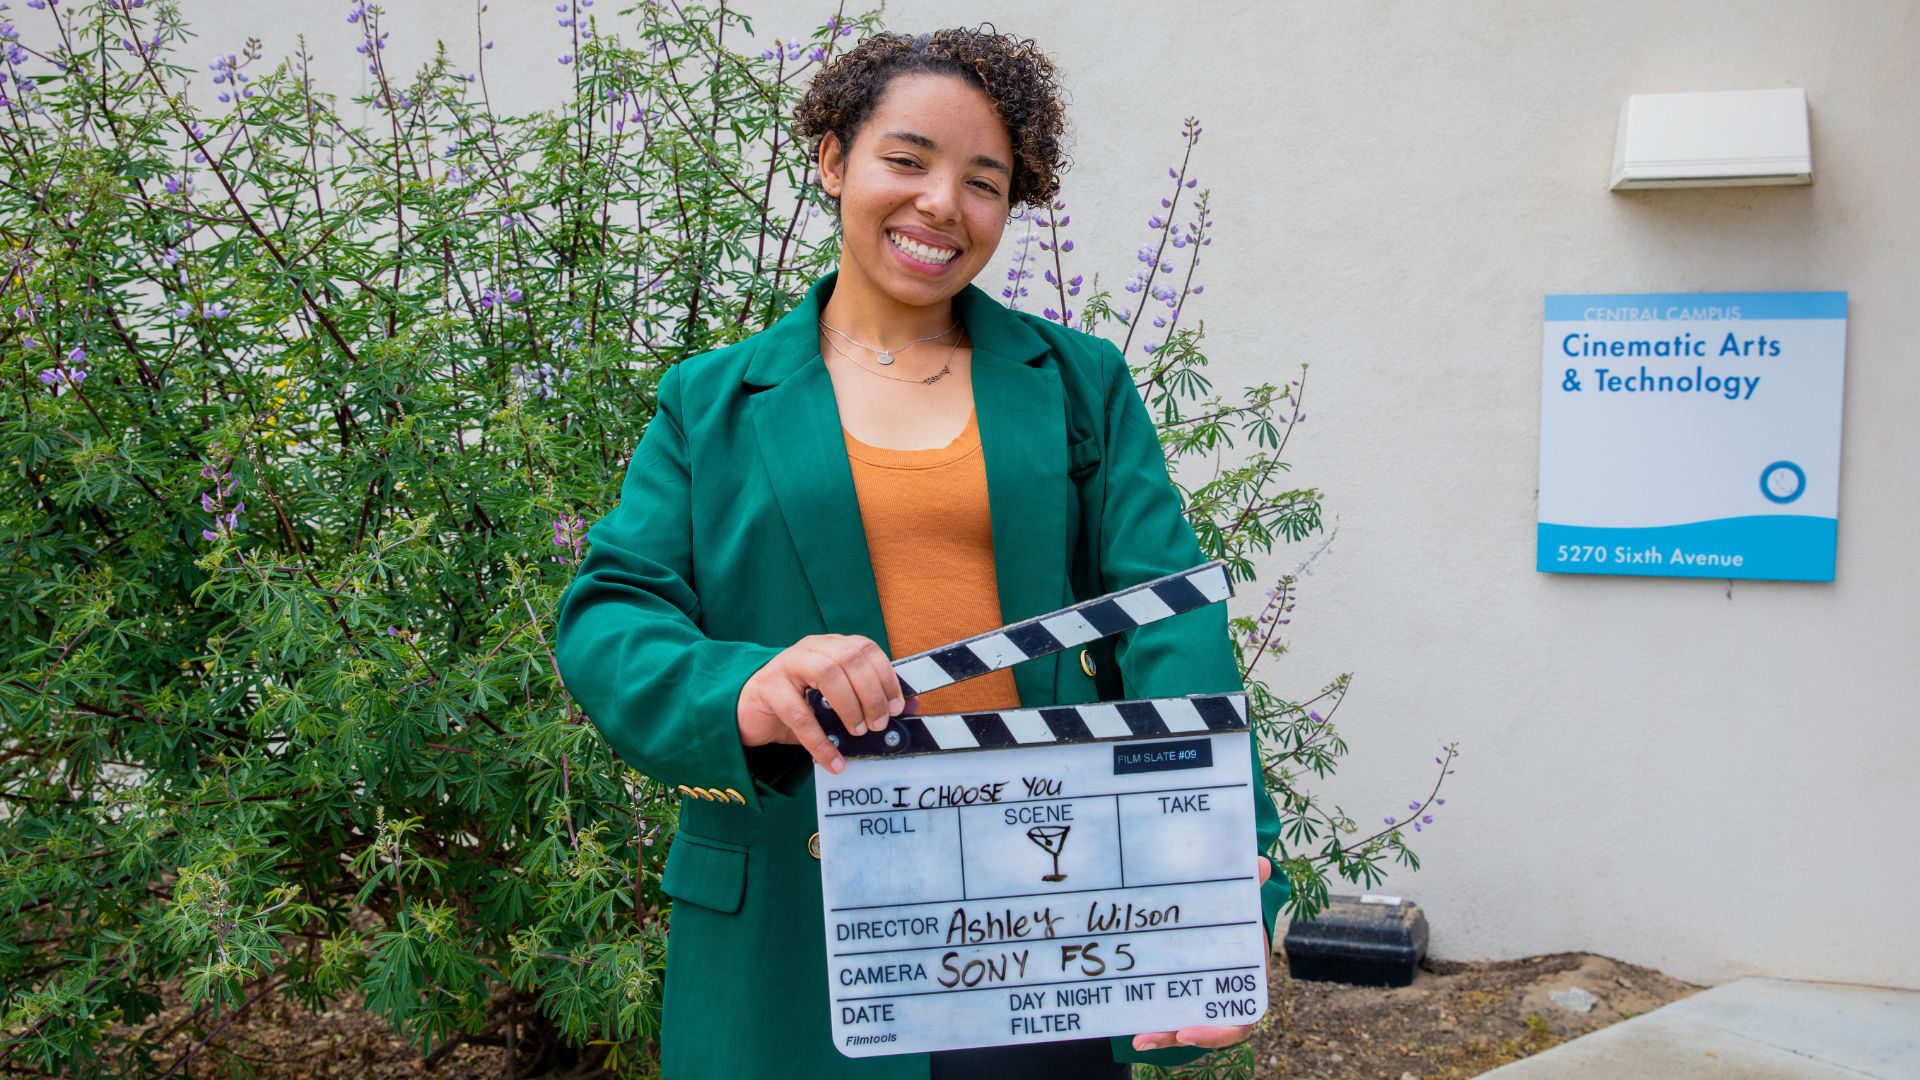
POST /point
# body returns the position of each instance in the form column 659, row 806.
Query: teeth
column 921, row 251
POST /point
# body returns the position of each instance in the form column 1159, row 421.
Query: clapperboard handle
column 1089, row 620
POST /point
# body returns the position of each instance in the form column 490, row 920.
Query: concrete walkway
column 1754, row 1029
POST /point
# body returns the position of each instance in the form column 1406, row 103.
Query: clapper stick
column 1029, row 639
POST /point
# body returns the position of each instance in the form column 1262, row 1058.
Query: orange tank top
column 930, row 536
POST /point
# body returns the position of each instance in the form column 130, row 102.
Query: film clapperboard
column 1038, row 874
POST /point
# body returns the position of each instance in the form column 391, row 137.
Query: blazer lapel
column 1020, row 407
column 1023, row 434
column 797, row 424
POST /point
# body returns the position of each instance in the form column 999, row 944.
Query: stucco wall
column 1711, row 779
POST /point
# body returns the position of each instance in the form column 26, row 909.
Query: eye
column 910, row 163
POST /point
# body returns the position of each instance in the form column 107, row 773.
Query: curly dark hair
column 1012, row 71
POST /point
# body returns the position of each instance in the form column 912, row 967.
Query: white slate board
column 1037, row 893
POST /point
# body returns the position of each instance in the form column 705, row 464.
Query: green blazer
column 738, row 533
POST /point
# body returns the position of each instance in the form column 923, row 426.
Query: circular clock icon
column 1782, row 482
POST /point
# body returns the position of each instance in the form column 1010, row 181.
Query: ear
column 832, row 164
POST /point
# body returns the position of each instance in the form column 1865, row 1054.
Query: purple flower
column 224, row 485
column 71, row 371
column 1428, row 818
column 568, row 532
column 1413, row 806
column 1389, row 819
column 491, row 296
column 541, row 380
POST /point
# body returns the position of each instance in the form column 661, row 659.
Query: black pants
column 1073, row 1059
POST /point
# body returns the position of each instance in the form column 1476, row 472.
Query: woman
column 897, row 463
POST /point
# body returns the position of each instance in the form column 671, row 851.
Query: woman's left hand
column 1201, row 1034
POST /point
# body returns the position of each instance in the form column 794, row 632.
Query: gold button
column 705, row 793
column 1086, row 662
column 685, row 790
column 736, row 797
column 813, row 845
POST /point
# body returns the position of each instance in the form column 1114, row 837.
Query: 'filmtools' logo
column 1782, row 482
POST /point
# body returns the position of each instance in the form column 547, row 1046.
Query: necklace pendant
column 885, row 358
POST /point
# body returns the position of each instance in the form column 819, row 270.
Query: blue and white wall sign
column 1691, row 434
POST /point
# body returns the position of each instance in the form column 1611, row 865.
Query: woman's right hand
column 850, row 671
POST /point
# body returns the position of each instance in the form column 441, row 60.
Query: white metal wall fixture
column 1731, row 138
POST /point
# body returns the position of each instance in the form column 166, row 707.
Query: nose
column 940, row 196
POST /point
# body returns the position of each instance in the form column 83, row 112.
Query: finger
column 1154, row 1040
column 886, row 683
column 868, row 673
column 913, row 705
column 1212, row 1037
column 825, row 674
column 790, row 705
column 1266, row 868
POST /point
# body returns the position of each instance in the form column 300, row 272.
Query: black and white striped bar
column 1103, row 616
column 1099, row 721
column 1090, row 620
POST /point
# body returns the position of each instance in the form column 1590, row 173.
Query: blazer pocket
column 1083, row 457
column 710, row 873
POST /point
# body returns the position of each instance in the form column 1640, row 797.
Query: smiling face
column 931, row 165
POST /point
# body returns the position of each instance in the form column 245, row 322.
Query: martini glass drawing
column 1051, row 838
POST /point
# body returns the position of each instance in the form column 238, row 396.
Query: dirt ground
column 1455, row 1021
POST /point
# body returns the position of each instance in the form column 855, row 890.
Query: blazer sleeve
column 628, row 641
column 1144, row 534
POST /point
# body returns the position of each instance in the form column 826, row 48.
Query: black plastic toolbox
column 1369, row 941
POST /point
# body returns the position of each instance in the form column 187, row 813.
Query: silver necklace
column 945, row 367
column 886, row 356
